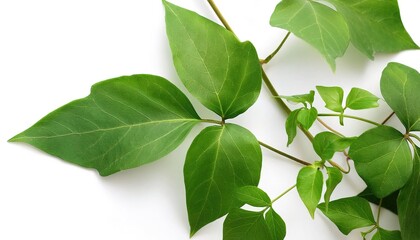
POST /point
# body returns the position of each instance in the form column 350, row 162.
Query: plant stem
column 212, row 121
column 329, row 128
column 334, row 164
column 414, row 136
column 379, row 212
column 348, row 116
column 284, row 154
column 387, row 119
column 281, row 195
column 220, row 16
column 268, row 59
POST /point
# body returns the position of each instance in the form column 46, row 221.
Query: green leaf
column 221, row 159
column 361, row 99
column 400, row 87
column 382, row 158
column 291, row 125
column 275, row 224
column 306, row 117
column 223, row 73
column 302, row 98
column 309, row 186
column 333, row 97
column 326, row 144
column 389, row 202
column 408, row 203
column 375, row 25
column 383, row 234
column 315, row 23
column 253, row 196
column 349, row 213
column 245, row 225
column 334, row 178
column 125, row 122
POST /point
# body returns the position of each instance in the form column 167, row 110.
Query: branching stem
column 414, row 136
column 387, row 119
column 348, row 116
column 334, row 164
column 284, row 154
column 268, row 59
column 329, row 128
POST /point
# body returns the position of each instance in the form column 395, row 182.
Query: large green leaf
column 275, row 224
column 125, row 122
column 221, row 159
column 382, row 158
column 334, row 178
column 221, row 72
column 409, row 203
column 375, row 25
column 326, row 144
column 245, row 225
column 349, row 213
column 383, row 234
column 400, row 87
column 315, row 23
column 361, row 99
column 253, row 196
column 309, row 186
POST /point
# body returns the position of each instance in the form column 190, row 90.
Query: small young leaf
column 389, row 202
column 245, row 225
column 333, row 97
column 361, row 99
column 125, row 122
column 408, row 203
column 400, row 87
column 382, row 158
column 306, row 117
column 326, row 144
column 334, row 178
column 383, row 234
column 291, row 125
column 309, row 186
column 315, row 23
column 275, row 224
column 374, row 25
column 223, row 73
column 220, row 160
column 302, row 98
column 253, row 196
column 349, row 213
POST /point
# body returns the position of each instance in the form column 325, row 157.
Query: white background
column 52, row 51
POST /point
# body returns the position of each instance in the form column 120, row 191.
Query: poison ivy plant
column 132, row 120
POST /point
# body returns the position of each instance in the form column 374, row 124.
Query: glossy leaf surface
column 253, row 196
column 221, row 159
column 334, row 178
column 291, row 125
column 361, row 99
column 307, row 117
column 309, row 186
column 125, row 122
column 333, row 97
column 245, row 225
column 326, row 144
column 382, row 234
column 275, row 224
column 223, row 73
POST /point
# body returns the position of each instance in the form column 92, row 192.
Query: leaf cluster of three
column 133, row 120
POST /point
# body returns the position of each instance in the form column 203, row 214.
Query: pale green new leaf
column 315, row 23
column 382, row 158
column 375, row 25
column 306, row 117
column 409, row 203
column 125, row 122
column 253, row 196
column 276, row 224
column 223, row 73
column 361, row 99
column 309, row 186
column 291, row 125
column 333, row 97
column 383, row 234
column 245, row 225
column 326, row 144
column 349, row 213
column 334, row 178
column 221, row 159
column 302, row 98
column 400, row 87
